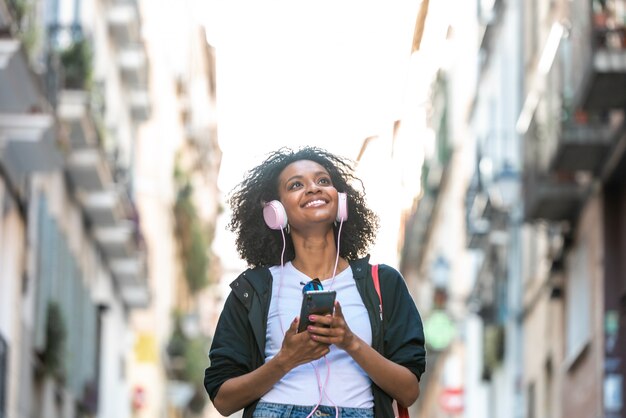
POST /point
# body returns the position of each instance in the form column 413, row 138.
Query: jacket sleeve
column 403, row 329
column 231, row 352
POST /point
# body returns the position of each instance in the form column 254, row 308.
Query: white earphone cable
column 321, row 388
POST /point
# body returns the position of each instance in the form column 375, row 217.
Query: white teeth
column 315, row 203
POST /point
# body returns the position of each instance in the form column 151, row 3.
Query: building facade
column 73, row 94
column 573, row 126
column 542, row 140
column 552, row 256
column 178, row 159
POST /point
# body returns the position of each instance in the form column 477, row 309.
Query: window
column 531, row 401
column 578, row 302
column 61, row 280
column 4, row 360
column 531, row 39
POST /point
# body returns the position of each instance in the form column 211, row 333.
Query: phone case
column 318, row 302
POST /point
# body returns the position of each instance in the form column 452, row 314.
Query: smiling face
column 307, row 193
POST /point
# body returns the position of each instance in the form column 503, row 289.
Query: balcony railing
column 477, row 213
column 598, row 54
column 548, row 195
column 489, row 18
column 123, row 20
column 584, row 146
column 572, row 140
column 88, row 170
column 76, row 117
column 140, row 107
column 116, row 241
column 566, row 146
column 6, row 16
column 133, row 65
column 551, row 199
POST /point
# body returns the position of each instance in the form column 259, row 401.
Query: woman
column 351, row 363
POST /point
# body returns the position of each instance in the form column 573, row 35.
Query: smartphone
column 318, row 302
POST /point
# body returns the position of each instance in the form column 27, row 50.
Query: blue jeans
column 278, row 410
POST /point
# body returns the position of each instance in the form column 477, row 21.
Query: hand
column 333, row 330
column 299, row 348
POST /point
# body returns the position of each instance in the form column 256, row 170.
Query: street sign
column 451, row 400
column 439, row 330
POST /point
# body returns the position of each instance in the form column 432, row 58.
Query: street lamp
column 440, row 272
column 439, row 328
column 440, row 275
column 505, row 188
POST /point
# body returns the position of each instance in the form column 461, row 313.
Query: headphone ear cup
column 342, row 207
column 274, row 215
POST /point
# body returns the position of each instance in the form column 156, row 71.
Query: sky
column 322, row 73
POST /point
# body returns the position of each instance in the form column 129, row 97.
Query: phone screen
column 318, row 302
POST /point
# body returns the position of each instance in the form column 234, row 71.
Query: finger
column 338, row 311
column 293, row 326
column 321, row 320
column 325, row 340
column 314, row 330
column 321, row 339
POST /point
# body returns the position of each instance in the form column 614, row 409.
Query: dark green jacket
column 239, row 341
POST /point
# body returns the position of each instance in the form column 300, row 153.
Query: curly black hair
column 261, row 246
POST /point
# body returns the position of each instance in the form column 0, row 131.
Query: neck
column 316, row 254
column 319, row 270
column 316, row 257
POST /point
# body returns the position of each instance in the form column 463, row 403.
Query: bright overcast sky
column 327, row 73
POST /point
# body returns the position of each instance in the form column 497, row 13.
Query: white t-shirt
column 348, row 385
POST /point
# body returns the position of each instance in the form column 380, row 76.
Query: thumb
column 293, row 326
column 338, row 311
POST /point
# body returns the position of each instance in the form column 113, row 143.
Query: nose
column 312, row 187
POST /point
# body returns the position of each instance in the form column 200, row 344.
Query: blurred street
column 490, row 137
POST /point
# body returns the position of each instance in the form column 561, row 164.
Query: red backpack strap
column 402, row 411
column 377, row 287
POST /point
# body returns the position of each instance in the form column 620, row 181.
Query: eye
column 294, row 185
column 325, row 181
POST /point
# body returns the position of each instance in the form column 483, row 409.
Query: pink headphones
column 276, row 217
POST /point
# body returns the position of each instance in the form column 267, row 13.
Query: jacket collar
column 360, row 267
column 260, row 278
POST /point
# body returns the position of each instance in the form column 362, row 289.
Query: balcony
column 116, row 230
column 131, row 277
column 116, row 241
column 27, row 135
column 549, row 195
column 88, row 170
column 139, row 105
column 490, row 16
column 478, row 218
column 5, row 16
column 549, row 198
column 133, row 65
column 584, row 146
column 21, row 89
column 123, row 21
column 565, row 146
column 103, row 208
column 419, row 227
column 75, row 115
column 27, row 144
column 598, row 54
column 570, row 139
